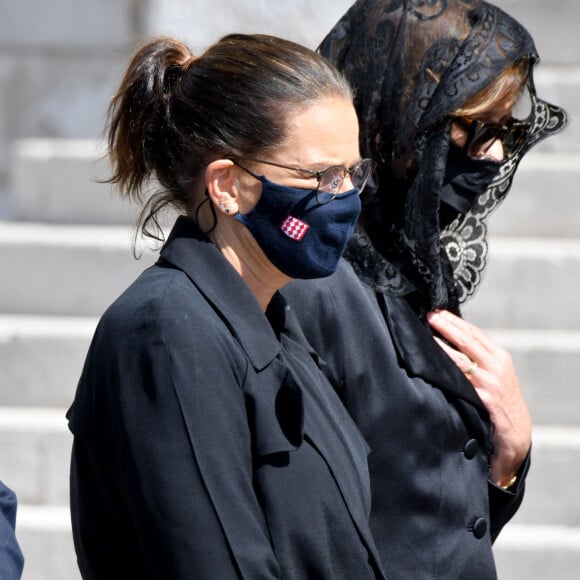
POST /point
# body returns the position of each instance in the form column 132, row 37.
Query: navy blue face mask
column 300, row 236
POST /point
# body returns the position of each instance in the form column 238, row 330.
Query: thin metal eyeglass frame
column 317, row 174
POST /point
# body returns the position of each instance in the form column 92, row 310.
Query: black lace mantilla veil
column 412, row 63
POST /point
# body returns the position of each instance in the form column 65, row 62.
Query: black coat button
column 479, row 528
column 471, row 449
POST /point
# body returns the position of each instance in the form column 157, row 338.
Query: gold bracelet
column 510, row 482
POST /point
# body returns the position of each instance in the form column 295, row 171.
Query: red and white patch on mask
column 294, row 228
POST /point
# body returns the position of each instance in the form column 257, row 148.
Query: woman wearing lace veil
column 438, row 85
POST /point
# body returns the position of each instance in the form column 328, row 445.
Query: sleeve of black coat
column 503, row 504
column 163, row 387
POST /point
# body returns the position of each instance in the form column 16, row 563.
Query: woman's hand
column 491, row 372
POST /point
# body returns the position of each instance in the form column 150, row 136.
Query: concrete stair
column 66, row 253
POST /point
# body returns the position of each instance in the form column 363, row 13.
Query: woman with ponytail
column 208, row 443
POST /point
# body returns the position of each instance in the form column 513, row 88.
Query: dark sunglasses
column 481, row 135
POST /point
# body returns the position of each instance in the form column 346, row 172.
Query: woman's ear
column 222, row 187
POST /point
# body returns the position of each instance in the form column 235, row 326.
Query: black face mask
column 465, row 179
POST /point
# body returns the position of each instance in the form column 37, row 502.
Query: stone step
column 541, row 18
column 60, row 181
column 528, row 283
column 45, row 538
column 547, row 362
column 41, row 358
column 35, row 456
column 552, row 484
column 75, row 270
column 78, row 271
column 538, row 553
column 542, row 201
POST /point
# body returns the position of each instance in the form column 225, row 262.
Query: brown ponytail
column 139, row 128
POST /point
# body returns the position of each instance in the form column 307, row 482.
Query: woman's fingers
column 464, row 336
column 466, row 365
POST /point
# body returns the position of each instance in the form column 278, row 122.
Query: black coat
column 434, row 512
column 207, row 442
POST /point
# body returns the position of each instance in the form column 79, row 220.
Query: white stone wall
column 58, row 62
column 201, row 22
column 61, row 60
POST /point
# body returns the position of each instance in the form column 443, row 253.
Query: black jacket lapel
column 421, row 354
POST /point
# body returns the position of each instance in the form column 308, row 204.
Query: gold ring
column 471, row 370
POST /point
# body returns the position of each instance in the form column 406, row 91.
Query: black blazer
column 207, row 442
column 434, row 512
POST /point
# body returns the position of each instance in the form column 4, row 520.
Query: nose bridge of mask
column 301, row 199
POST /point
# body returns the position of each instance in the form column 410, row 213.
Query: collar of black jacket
column 188, row 249
column 422, row 356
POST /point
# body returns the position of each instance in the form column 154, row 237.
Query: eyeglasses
column 482, row 134
column 330, row 180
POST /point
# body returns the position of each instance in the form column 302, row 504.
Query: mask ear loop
column 213, row 213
